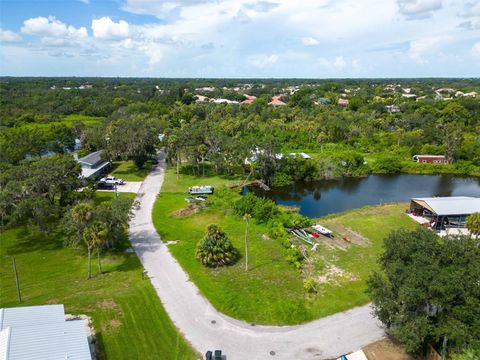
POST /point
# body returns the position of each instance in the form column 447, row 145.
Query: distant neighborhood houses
column 249, row 99
column 81, row 87
column 276, row 101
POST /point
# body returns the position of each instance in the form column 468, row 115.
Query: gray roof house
column 93, row 164
column 41, row 333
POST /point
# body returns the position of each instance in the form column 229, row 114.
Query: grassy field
column 171, row 185
column 70, row 120
column 128, row 171
column 129, row 319
column 271, row 292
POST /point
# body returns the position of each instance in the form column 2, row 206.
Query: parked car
column 104, row 185
column 217, row 355
column 112, row 180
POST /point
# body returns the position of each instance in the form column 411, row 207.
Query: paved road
column 208, row 329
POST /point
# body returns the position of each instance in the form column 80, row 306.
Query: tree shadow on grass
column 30, row 241
column 128, row 262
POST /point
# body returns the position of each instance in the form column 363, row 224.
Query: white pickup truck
column 110, row 180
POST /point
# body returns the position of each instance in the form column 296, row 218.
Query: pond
column 319, row 198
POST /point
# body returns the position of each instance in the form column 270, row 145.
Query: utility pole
column 16, row 281
column 247, row 218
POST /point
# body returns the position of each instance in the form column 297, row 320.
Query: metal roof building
column 41, row 333
column 446, row 211
column 93, row 164
column 31, row 315
column 454, row 205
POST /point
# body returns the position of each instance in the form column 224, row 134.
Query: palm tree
column 473, row 224
column 81, row 215
column 247, row 218
column 95, row 235
column 215, row 249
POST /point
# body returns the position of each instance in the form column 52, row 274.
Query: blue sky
column 240, row 38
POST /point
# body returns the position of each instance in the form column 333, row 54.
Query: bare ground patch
column 334, row 275
column 114, row 324
column 346, row 235
column 107, row 305
column 386, row 349
column 189, row 210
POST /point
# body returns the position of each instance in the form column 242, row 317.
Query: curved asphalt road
column 208, row 329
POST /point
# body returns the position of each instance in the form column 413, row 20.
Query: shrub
column 294, row 220
column 281, row 179
column 215, row 249
column 245, row 204
column 387, row 164
column 309, row 285
column 260, row 208
column 294, row 256
column 264, row 210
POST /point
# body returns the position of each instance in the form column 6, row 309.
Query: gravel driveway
column 208, row 329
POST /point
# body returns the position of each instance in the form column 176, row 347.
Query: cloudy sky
column 240, row 38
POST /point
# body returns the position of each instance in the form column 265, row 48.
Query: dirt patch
column 335, row 276
column 107, row 305
column 189, row 210
column 386, row 349
column 346, row 235
column 53, row 301
column 114, row 324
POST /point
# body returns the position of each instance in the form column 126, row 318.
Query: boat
column 322, row 230
column 198, row 190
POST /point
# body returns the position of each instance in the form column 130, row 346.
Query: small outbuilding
column 445, row 212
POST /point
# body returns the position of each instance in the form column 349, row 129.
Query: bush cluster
column 261, row 209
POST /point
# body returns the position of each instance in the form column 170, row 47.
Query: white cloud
column 50, row 41
column 104, row 28
column 422, row 49
column 52, row 28
column 242, row 17
column 262, row 60
column 418, row 9
column 309, row 41
column 9, row 36
column 471, row 8
column 339, row 62
column 282, row 38
column 476, row 50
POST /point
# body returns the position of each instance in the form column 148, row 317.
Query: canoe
column 322, row 230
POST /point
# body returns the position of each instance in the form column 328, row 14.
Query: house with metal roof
column 445, row 212
column 93, row 164
column 41, row 333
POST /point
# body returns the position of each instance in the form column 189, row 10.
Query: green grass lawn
column 128, row 317
column 172, row 185
column 71, row 119
column 271, row 292
column 128, row 171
